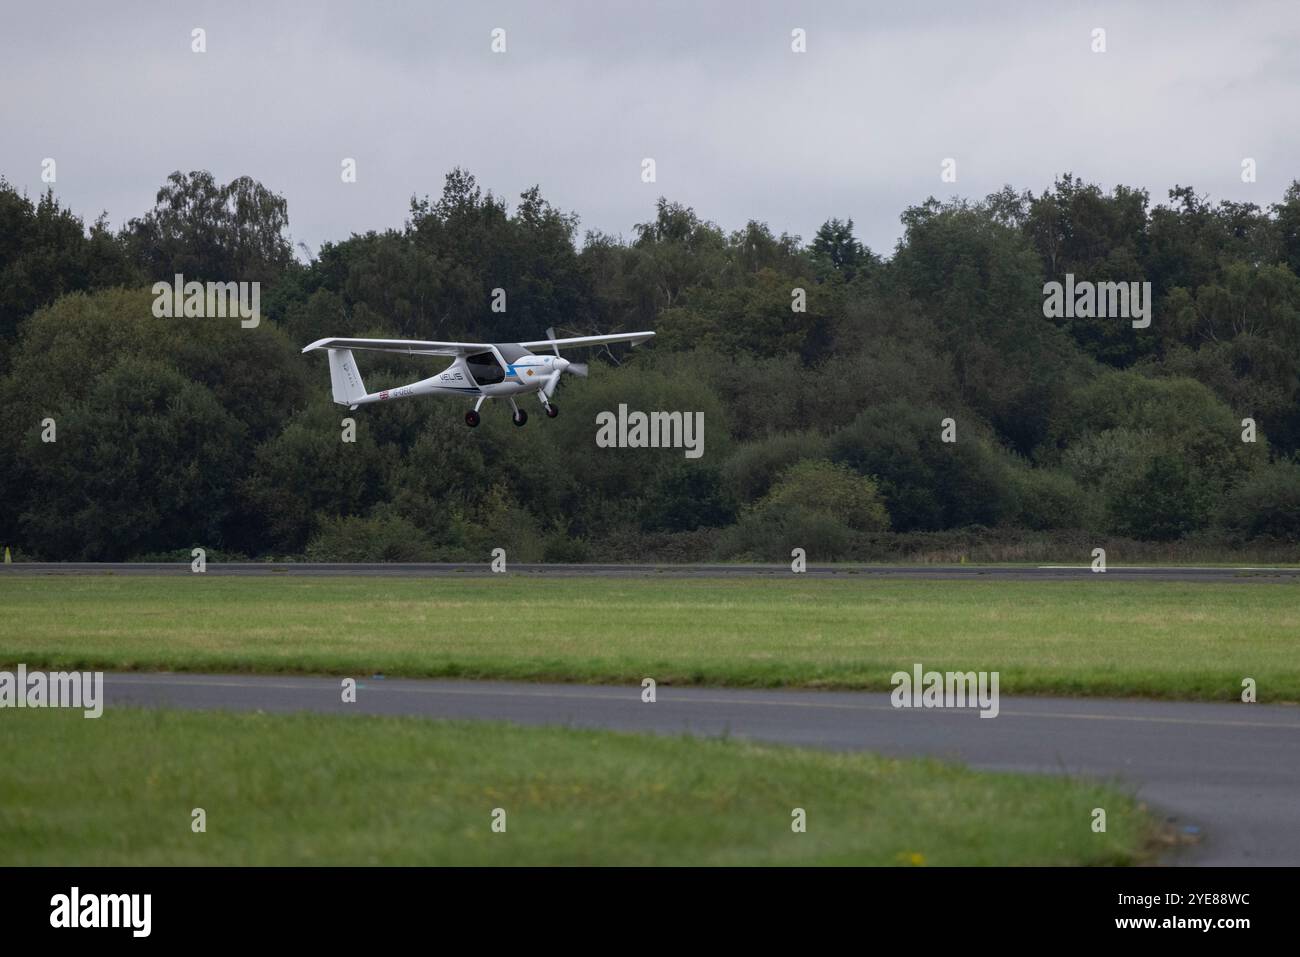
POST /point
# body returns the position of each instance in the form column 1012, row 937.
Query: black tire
column 520, row 417
column 552, row 410
column 471, row 418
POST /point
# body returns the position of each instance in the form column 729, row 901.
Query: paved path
column 1231, row 770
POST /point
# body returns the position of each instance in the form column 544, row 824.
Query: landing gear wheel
column 471, row 418
column 552, row 410
column 520, row 417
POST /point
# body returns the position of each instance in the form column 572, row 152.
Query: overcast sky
column 739, row 126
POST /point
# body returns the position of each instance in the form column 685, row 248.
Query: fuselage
column 506, row 370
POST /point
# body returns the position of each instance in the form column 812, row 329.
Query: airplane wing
column 410, row 347
column 635, row 338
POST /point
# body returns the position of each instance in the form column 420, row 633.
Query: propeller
column 577, row 368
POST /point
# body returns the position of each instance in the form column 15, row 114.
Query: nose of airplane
column 560, row 364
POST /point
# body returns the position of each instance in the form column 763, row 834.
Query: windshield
column 485, row 369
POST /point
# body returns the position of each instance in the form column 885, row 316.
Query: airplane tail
column 345, row 377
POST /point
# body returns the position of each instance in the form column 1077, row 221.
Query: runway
column 1082, row 572
column 1227, row 773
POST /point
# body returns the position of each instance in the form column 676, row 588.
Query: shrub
column 378, row 538
column 750, row 472
column 771, row 534
column 832, row 490
column 561, row 549
column 1050, row 499
column 1266, row 504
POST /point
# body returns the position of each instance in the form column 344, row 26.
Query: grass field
column 313, row 789
column 1161, row 639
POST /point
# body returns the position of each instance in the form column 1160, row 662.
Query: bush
column 560, row 549
column 305, row 473
column 928, row 484
column 1162, row 502
column 1178, row 417
column 771, row 534
column 831, row 490
column 496, row 520
column 379, row 538
column 1050, row 499
column 1266, row 504
column 750, row 472
column 689, row 497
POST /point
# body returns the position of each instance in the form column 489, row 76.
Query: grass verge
column 1156, row 639
column 317, row 789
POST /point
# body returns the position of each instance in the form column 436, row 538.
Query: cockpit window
column 485, row 369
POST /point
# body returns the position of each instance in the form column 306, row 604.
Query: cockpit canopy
column 485, row 369
column 512, row 351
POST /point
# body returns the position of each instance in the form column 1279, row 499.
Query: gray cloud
column 739, row 126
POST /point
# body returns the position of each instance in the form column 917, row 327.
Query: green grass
column 316, row 789
column 1159, row 639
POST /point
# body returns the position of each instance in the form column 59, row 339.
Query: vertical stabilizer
column 345, row 377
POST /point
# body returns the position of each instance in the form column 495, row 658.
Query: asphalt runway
column 1227, row 774
column 844, row 571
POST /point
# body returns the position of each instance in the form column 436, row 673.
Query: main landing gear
column 520, row 416
column 472, row 418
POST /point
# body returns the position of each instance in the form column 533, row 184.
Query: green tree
column 383, row 537
column 1266, row 504
column 836, row 250
column 145, row 463
column 928, row 484
column 307, row 473
column 45, row 252
column 832, row 490
column 207, row 231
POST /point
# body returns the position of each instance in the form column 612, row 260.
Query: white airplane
column 487, row 370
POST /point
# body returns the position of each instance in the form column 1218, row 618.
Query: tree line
column 856, row 404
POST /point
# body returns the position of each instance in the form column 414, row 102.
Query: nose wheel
column 552, row 410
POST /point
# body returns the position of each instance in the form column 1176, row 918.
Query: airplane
column 488, row 370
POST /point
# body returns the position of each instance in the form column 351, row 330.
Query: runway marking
column 633, row 695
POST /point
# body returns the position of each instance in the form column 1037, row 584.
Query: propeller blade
column 578, row 368
column 550, row 334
